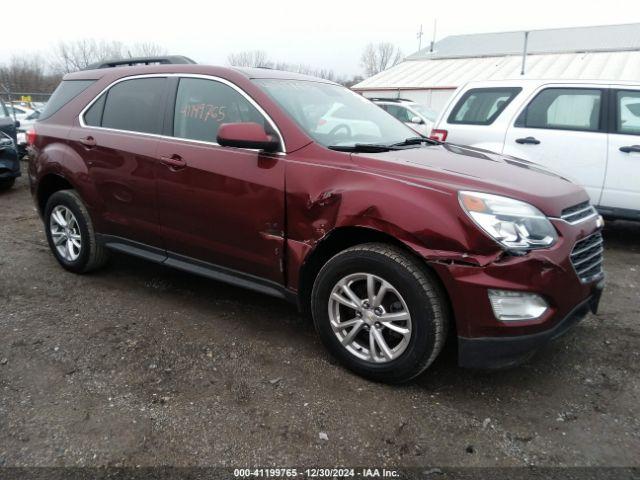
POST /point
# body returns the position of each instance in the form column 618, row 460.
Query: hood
column 452, row 168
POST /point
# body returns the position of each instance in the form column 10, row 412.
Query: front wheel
column 380, row 312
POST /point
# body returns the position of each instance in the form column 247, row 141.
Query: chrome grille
column 587, row 257
column 577, row 213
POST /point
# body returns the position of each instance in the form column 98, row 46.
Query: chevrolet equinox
column 390, row 241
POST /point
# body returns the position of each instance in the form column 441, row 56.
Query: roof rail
column 122, row 62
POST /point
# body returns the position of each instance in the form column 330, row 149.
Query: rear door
column 622, row 181
column 564, row 129
column 117, row 139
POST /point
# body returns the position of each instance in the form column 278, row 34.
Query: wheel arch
column 47, row 186
column 341, row 238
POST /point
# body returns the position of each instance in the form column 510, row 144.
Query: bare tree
column 380, row 56
column 27, row 73
column 260, row 58
column 249, row 58
column 79, row 54
column 146, row 49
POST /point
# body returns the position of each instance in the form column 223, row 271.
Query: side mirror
column 417, row 120
column 17, row 124
column 246, row 135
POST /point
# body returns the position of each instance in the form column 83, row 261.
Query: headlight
column 514, row 224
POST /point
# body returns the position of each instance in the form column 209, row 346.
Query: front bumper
column 504, row 352
column 485, row 341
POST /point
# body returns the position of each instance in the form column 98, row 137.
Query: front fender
column 324, row 197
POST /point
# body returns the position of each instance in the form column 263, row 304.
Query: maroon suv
column 299, row 188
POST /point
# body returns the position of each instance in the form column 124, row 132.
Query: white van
column 589, row 132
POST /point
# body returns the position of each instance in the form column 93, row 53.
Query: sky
column 328, row 34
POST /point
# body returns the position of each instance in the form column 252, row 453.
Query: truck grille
column 577, row 213
column 587, row 257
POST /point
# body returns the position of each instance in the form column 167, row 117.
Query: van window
column 628, row 118
column 4, row 113
column 203, row 105
column 482, row 106
column 564, row 109
column 135, row 105
column 66, row 91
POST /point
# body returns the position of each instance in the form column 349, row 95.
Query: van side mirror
column 246, row 135
column 17, row 124
column 417, row 120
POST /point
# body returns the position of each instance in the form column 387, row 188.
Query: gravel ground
column 141, row 365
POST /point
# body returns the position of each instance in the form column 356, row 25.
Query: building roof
column 453, row 72
column 601, row 38
column 609, row 52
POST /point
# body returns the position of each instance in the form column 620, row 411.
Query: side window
column 135, row 105
column 628, row 117
column 203, row 105
column 4, row 113
column 482, row 106
column 400, row 113
column 93, row 116
column 564, row 109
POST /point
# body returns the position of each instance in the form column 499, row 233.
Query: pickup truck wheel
column 380, row 312
column 70, row 233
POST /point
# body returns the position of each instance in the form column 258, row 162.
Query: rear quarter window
column 66, row 91
column 482, row 106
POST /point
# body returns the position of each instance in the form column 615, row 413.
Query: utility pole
column 419, row 37
column 433, row 40
column 524, row 53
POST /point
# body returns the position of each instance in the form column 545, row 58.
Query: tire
column 413, row 290
column 90, row 255
column 6, row 184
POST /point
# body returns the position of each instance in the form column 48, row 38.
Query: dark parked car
column 9, row 163
column 391, row 242
column 8, row 124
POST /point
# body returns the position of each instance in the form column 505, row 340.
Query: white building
column 610, row 52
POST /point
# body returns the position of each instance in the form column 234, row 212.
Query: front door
column 220, row 205
column 622, row 183
column 564, row 129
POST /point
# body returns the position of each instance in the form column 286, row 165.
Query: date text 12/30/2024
column 315, row 472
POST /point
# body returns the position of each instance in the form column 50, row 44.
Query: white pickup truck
column 589, row 132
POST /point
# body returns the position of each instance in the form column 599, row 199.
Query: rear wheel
column 70, row 233
column 380, row 312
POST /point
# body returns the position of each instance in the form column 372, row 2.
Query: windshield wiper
column 363, row 147
column 415, row 141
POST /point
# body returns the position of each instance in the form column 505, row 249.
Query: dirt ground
column 142, row 365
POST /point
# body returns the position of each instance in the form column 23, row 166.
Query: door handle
column 88, row 142
column 630, row 148
column 528, row 140
column 174, row 162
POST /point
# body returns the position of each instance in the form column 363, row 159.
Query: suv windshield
column 334, row 115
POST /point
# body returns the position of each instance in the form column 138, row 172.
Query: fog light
column 509, row 305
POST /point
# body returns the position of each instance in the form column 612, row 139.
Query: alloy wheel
column 369, row 317
column 65, row 233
